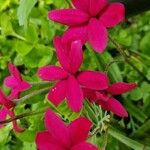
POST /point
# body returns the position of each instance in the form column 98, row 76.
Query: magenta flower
column 107, row 101
column 6, row 109
column 89, row 21
column 64, row 137
column 15, row 82
column 69, row 79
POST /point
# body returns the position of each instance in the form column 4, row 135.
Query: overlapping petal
column 84, row 146
column 62, row 53
column 56, row 128
column 120, row 88
column 3, row 115
column 52, row 73
column 69, row 17
column 44, row 141
column 115, row 106
column 74, row 94
column 93, row 80
column 97, row 35
column 95, row 6
column 113, row 14
column 58, row 93
column 79, row 130
column 75, row 33
column 75, row 56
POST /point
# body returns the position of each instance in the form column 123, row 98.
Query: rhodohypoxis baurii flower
column 69, row 78
column 107, row 101
column 15, row 82
column 60, row 136
column 7, row 107
column 89, row 21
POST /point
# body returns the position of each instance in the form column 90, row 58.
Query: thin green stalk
column 37, row 92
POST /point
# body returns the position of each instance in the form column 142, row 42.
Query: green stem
column 23, row 116
column 37, row 92
column 40, row 83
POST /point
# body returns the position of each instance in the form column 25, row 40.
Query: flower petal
column 96, row 6
column 121, row 87
column 75, row 33
column 114, row 14
column 81, row 4
column 62, row 53
column 115, row 106
column 74, row 95
column 70, row 17
column 93, row 80
column 58, row 93
column 44, row 141
column 84, row 146
column 57, row 128
column 14, row 71
column 3, row 115
column 52, row 73
column 76, row 56
column 24, row 86
column 97, row 35
column 79, row 130
column 11, row 82
column 5, row 101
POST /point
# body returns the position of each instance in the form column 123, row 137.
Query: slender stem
column 40, row 83
column 126, row 58
column 23, row 116
column 22, row 99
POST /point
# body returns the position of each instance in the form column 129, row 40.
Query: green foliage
column 26, row 40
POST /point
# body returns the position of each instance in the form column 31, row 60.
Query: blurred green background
column 26, row 37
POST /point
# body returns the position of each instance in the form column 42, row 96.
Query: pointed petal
column 115, row 106
column 44, row 141
column 3, row 115
column 56, row 128
column 70, row 17
column 58, row 93
column 76, row 56
column 84, row 146
column 14, row 71
column 75, row 33
column 121, row 87
column 11, row 82
column 74, row 95
column 52, row 73
column 96, row 6
column 79, row 130
column 97, row 35
column 24, row 86
column 5, row 101
column 114, row 14
column 14, row 95
column 81, row 5
column 62, row 53
column 93, row 80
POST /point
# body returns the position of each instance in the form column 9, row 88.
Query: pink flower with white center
column 7, row 107
column 15, row 82
column 60, row 136
column 107, row 101
column 69, row 79
column 89, row 21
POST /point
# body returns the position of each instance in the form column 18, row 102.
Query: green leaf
column 127, row 141
column 136, row 94
column 24, row 10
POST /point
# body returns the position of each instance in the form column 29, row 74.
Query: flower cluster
column 88, row 21
column 17, row 85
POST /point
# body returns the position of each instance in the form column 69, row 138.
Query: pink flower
column 89, row 21
column 15, row 82
column 64, row 137
column 69, row 79
column 7, row 109
column 107, row 101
